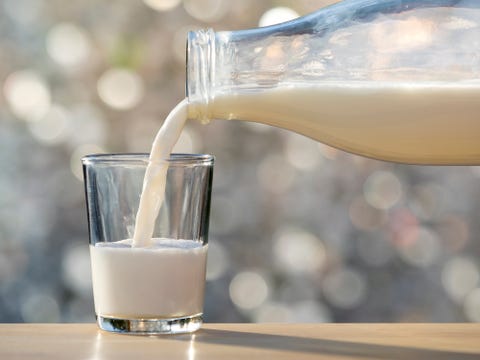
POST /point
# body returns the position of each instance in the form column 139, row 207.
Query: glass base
column 151, row 326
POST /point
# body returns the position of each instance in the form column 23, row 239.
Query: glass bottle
column 396, row 80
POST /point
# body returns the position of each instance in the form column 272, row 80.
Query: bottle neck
column 227, row 63
column 200, row 75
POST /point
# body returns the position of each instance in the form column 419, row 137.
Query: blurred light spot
column 345, row 288
column 403, row 226
column 275, row 175
column 472, row 305
column 206, row 10
column 248, row 290
column 374, row 250
column 27, row 95
column 422, row 248
column 121, row 89
column 78, row 154
column 162, row 5
column 454, row 232
column 217, row 261
column 364, row 216
column 382, row 190
column 302, row 153
column 76, row 269
column 296, row 250
column 68, row 44
column 277, row 15
column 459, row 277
column 53, row 127
column 427, row 200
column 273, row 312
column 87, row 125
column 310, row 311
column 40, row 307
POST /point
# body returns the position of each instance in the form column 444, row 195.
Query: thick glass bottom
column 151, row 326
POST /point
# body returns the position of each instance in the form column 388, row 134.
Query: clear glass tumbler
column 158, row 289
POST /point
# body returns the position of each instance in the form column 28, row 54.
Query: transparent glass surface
column 158, row 288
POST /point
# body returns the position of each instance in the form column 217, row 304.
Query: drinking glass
column 158, row 288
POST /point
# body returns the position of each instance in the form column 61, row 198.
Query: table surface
column 246, row 341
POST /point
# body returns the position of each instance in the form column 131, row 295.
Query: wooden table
column 246, row 341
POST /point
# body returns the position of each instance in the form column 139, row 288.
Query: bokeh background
column 299, row 231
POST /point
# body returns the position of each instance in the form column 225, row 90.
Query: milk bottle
column 391, row 80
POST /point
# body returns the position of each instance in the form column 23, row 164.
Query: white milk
column 426, row 123
column 165, row 280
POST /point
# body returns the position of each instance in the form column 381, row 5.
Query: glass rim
column 143, row 158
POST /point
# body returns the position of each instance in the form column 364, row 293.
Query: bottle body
column 392, row 80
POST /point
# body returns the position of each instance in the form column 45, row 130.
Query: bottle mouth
column 199, row 65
